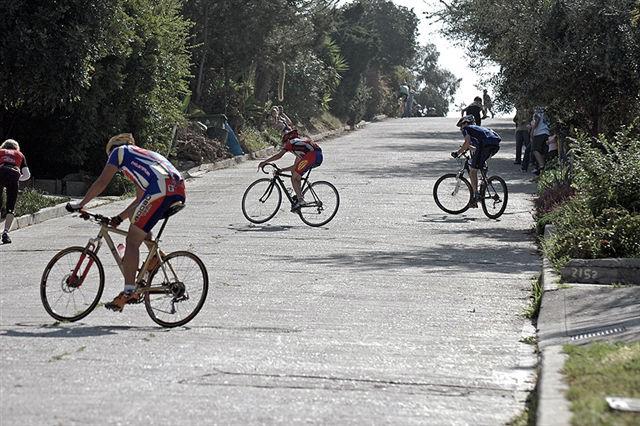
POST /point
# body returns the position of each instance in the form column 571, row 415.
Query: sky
column 452, row 56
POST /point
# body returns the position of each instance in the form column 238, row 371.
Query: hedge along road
column 393, row 313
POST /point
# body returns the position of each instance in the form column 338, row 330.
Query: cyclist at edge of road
column 483, row 142
column 158, row 186
column 308, row 154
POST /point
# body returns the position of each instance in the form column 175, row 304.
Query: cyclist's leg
column 149, row 211
column 475, row 164
column 9, row 180
column 300, row 168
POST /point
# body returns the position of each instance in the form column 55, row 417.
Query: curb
column 200, row 170
column 59, row 209
column 553, row 405
column 53, row 212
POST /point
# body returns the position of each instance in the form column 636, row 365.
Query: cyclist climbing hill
column 308, row 153
column 158, row 186
column 485, row 144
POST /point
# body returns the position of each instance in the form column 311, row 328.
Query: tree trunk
column 205, row 49
column 264, row 77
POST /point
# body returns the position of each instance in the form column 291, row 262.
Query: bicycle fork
column 75, row 281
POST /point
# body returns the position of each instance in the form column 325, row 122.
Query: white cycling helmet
column 118, row 140
column 467, row 119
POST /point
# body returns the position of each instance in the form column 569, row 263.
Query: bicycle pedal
column 112, row 307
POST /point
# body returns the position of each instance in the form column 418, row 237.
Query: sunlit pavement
column 394, row 312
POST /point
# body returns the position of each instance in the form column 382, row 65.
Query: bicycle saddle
column 173, row 209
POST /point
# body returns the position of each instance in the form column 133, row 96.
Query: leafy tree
column 439, row 85
column 97, row 69
column 375, row 37
column 241, row 52
column 564, row 54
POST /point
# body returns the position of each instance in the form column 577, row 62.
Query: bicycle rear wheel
column 322, row 204
column 452, row 193
column 261, row 200
column 177, row 289
column 72, row 284
column 494, row 197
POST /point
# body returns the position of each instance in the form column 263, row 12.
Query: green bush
column 607, row 170
column 251, row 139
column 581, row 235
column 31, row 200
column 119, row 186
column 603, row 218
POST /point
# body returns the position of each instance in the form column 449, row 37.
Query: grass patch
column 324, row 122
column 253, row 140
column 596, row 371
column 31, row 200
column 533, row 309
column 529, row 340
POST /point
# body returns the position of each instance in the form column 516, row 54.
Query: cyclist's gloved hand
column 455, row 154
column 73, row 207
column 115, row 221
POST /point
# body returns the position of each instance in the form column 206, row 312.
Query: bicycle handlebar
column 277, row 169
column 103, row 220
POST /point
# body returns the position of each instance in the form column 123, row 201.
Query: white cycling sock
column 129, row 288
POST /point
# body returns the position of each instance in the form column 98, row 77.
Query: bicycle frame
column 277, row 178
column 95, row 244
column 466, row 167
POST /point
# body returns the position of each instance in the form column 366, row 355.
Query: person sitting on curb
column 13, row 168
column 308, row 154
column 159, row 186
column 484, row 142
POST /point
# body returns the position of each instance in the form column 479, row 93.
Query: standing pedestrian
column 13, row 168
column 488, row 104
column 522, row 120
column 539, row 135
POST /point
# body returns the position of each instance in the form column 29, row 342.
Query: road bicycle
column 453, row 193
column 173, row 286
column 263, row 198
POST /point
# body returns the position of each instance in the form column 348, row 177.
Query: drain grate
column 599, row 332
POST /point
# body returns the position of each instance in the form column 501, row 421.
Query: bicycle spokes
column 177, row 289
column 495, row 196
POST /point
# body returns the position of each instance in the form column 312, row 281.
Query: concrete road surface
column 393, row 313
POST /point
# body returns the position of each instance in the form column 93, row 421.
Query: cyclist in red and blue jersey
column 308, row 154
column 484, row 142
column 158, row 186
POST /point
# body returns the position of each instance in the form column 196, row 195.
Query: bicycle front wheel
column 72, row 284
column 261, row 200
column 322, row 202
column 177, row 289
column 452, row 193
column 494, row 197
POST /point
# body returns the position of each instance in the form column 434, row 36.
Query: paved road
column 393, row 313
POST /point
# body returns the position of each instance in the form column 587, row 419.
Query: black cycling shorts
column 482, row 154
column 9, row 179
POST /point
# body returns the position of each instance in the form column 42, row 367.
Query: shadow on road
column 76, row 330
column 260, row 228
column 509, row 259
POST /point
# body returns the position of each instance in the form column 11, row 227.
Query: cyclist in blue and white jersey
column 158, row 186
